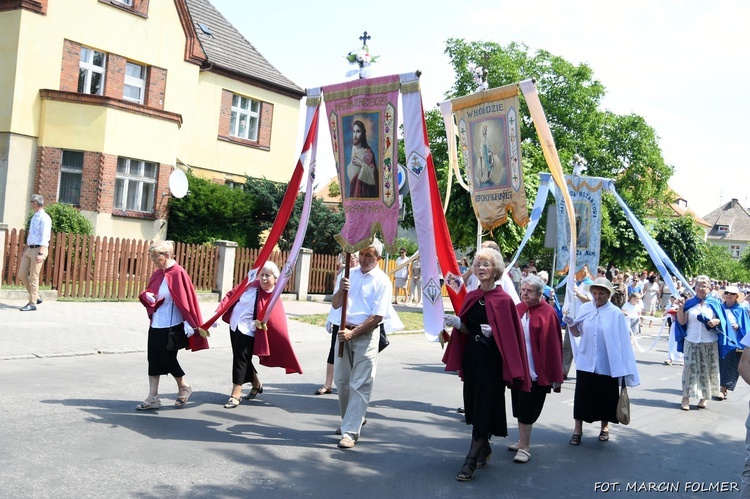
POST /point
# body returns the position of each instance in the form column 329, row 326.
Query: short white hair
column 269, row 265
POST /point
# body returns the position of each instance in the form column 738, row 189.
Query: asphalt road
column 68, row 427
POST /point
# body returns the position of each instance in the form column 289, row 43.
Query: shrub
column 66, row 218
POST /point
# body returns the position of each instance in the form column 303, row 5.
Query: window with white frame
column 91, row 72
column 71, row 177
column 244, row 120
column 734, row 250
column 135, row 82
column 126, row 2
column 135, row 185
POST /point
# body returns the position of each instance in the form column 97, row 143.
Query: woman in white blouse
column 604, row 356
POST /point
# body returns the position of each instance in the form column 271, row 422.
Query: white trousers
column 354, row 374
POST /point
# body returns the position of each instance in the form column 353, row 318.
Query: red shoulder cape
column 272, row 346
column 506, row 330
column 546, row 342
column 184, row 297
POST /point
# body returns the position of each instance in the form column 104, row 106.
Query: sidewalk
column 61, row 329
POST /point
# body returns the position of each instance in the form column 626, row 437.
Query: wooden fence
column 104, row 268
column 80, row 266
column 245, row 258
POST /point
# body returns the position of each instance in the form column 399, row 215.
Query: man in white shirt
column 401, row 275
column 368, row 304
column 36, row 251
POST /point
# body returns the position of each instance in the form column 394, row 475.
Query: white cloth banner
column 417, row 151
column 307, row 159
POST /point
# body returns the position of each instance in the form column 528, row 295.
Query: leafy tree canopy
column 212, row 212
column 719, row 264
column 66, row 218
column 682, row 240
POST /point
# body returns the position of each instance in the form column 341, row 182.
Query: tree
column 66, row 218
column 681, row 239
column 621, row 147
column 213, row 211
column 322, row 228
column 719, row 264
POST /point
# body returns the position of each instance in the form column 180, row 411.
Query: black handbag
column 177, row 340
column 383, row 339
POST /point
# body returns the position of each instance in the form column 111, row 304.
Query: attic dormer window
column 205, row 29
column 722, row 228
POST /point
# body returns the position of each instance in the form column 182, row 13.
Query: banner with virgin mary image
column 362, row 121
column 489, row 137
column 586, row 194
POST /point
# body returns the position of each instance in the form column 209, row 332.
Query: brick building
column 108, row 97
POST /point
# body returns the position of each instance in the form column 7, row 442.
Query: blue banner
column 586, row 194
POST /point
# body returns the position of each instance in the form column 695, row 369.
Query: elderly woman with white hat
column 604, row 357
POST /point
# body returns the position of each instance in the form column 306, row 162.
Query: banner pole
column 345, row 297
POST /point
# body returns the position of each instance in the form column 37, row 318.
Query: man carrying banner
column 369, row 297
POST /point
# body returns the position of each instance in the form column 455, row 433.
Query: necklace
column 481, row 301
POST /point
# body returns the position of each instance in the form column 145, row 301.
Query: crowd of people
column 507, row 335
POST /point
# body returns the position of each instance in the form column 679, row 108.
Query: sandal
column 702, row 403
column 182, row 400
column 522, row 456
column 575, row 439
column 467, row 470
column 323, row 390
column 685, row 404
column 604, row 436
column 232, row 403
column 254, row 392
column 484, row 455
column 513, row 447
column 151, row 402
column 668, row 362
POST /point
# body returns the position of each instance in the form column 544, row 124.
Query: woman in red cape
column 541, row 330
column 271, row 343
column 172, row 308
column 487, row 347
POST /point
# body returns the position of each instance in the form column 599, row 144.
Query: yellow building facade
column 103, row 99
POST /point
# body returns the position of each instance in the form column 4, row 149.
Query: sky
column 681, row 64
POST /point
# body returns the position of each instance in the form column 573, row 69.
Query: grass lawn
column 413, row 321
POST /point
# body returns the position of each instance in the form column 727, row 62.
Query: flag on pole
column 433, row 238
column 285, row 211
column 487, row 125
column 362, row 116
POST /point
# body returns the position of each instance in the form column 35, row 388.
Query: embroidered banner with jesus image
column 489, row 137
column 362, row 120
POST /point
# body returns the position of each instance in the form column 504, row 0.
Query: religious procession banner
column 586, row 195
column 489, row 138
column 433, row 237
column 362, row 121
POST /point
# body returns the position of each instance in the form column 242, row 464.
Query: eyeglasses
column 154, row 256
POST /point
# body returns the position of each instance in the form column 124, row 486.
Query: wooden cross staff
column 345, row 297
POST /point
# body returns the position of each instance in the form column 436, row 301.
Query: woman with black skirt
column 269, row 342
column 174, row 314
column 487, row 348
column 603, row 357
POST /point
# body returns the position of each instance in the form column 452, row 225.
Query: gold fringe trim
column 314, row 101
column 409, row 87
column 363, row 90
column 367, row 242
column 490, row 95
